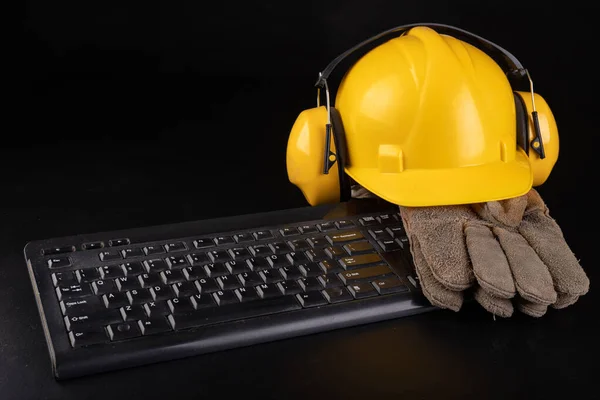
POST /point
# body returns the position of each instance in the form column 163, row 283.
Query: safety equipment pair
column 425, row 119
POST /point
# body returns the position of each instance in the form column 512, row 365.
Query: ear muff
column 304, row 158
column 541, row 167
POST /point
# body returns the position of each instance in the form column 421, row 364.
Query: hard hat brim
column 466, row 185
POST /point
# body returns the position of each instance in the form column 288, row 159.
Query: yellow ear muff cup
column 304, row 158
column 541, row 168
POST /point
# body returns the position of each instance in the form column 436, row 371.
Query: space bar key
column 232, row 312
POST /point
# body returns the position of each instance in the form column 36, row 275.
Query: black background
column 122, row 114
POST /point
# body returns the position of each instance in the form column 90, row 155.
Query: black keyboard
column 126, row 298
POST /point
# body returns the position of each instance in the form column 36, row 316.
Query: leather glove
column 509, row 251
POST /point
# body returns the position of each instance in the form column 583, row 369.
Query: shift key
column 365, row 274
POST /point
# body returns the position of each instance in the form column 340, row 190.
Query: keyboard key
column 221, row 240
column 133, row 268
column 203, row 243
column 305, row 229
column 277, row 261
column 92, row 245
column 330, row 281
column 279, row 248
column 297, row 258
column 124, row 330
column 330, row 266
column 379, row 234
column 389, row 245
column 127, row 283
column 95, row 335
column 318, row 242
column 139, row 296
column 235, row 268
column 362, row 290
column 316, row 255
column 243, row 237
column 258, row 264
column 172, row 276
column 335, row 252
column 358, row 248
column 228, row 282
column 110, row 255
column 149, row 280
column 403, row 240
column 185, row 289
column 83, row 305
column 111, row 271
column 368, row 221
column 362, row 274
column 267, row 290
column 387, row 219
column 344, row 224
column 232, row 312
column 132, row 252
column 101, row 287
column 175, row 246
column 71, row 292
column 193, row 273
column 289, row 287
column 396, row 231
column 223, row 297
column 59, row 262
column 158, row 249
column 87, row 275
column 118, row 242
column 207, row 285
column 202, row 301
column 156, row 265
column 246, row 294
column 156, row 308
column 85, row 320
column 198, row 258
column 132, row 313
column 180, row 306
column 311, row 299
column 176, row 261
column 310, row 270
column 390, row 285
column 263, row 235
column 289, row 231
column 161, row 292
column 115, row 300
column 238, row 253
column 260, row 250
column 290, row 273
column 151, row 326
column 64, row 278
column 219, row 255
column 58, row 250
column 270, row 275
column 337, row 294
column 250, row 279
column 299, row 245
column 214, row 270
column 309, row 284
column 327, row 226
column 360, row 260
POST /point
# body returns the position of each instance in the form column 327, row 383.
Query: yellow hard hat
column 426, row 119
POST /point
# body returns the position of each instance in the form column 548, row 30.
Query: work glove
column 510, row 253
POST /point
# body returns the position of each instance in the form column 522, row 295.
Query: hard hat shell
column 430, row 120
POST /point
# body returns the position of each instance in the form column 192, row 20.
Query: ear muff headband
column 512, row 65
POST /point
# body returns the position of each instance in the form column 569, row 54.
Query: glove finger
column 490, row 265
column 532, row 309
column 442, row 243
column 494, row 305
column 435, row 292
column 564, row 300
column 532, row 278
column 547, row 239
